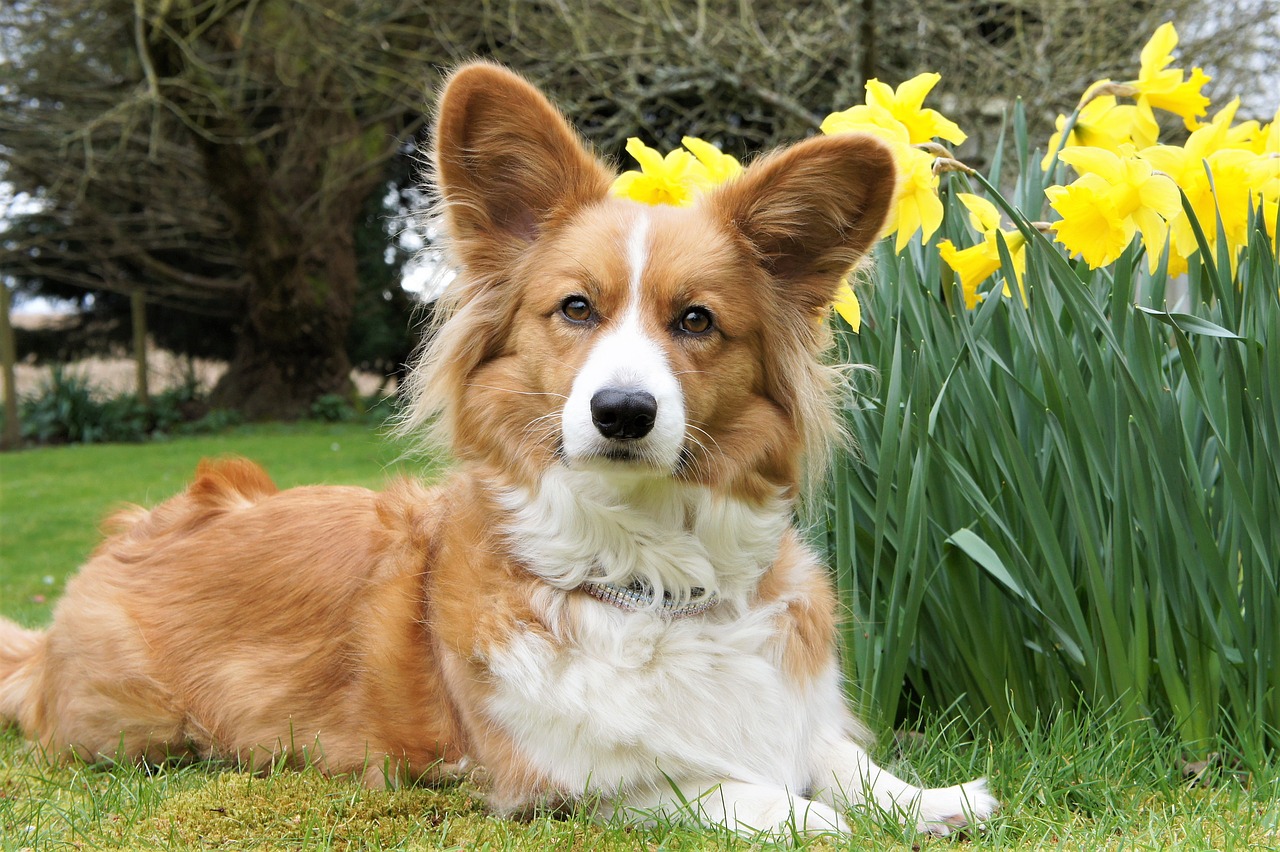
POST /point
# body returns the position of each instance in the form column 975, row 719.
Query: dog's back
column 238, row 621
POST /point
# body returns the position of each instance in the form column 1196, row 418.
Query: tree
column 752, row 75
column 245, row 137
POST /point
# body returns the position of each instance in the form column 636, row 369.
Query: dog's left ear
column 507, row 164
column 811, row 211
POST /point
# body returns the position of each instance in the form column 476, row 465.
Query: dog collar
column 639, row 596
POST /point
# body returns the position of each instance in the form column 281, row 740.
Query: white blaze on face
column 627, row 358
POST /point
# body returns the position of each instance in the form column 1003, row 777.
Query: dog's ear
column 507, row 164
column 811, row 211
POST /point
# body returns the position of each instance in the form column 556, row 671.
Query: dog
column 606, row 600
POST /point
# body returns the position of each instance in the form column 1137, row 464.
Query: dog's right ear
column 508, row 165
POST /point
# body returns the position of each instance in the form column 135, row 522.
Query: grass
column 1077, row 781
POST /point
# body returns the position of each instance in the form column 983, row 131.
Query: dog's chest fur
column 612, row 700
column 628, row 698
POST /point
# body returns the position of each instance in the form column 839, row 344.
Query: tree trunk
column 867, row 40
column 8, row 356
column 138, row 317
column 291, row 348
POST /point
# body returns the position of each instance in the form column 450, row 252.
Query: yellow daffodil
column 983, row 215
column 720, row 166
column 1164, row 88
column 865, row 118
column 1144, row 199
column 1269, row 137
column 848, row 306
column 917, row 207
column 1247, row 135
column 1091, row 226
column 1105, row 123
column 1263, row 174
column 977, row 263
column 899, row 118
column 675, row 179
column 905, row 105
column 972, row 265
column 1225, row 189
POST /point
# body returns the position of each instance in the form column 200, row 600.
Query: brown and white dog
column 607, row 597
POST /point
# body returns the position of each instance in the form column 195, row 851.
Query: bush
column 333, row 408
column 67, row 410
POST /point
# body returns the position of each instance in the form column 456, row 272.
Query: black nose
column 623, row 413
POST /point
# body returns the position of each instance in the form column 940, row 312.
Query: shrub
column 333, row 408
column 68, row 410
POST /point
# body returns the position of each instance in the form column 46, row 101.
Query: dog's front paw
column 946, row 809
column 817, row 818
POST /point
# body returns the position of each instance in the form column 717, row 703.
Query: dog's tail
column 21, row 651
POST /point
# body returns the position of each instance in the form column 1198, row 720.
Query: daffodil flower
column 1263, row 174
column 675, row 179
column 905, row 106
column 1224, row 190
column 1142, row 201
column 1268, row 139
column 1164, row 88
column 848, row 306
column 917, row 207
column 721, row 167
column 977, row 263
column 1091, row 226
column 899, row 118
column 1104, row 123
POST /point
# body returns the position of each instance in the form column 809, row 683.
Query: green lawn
column 1077, row 783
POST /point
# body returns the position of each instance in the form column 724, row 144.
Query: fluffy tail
column 20, row 650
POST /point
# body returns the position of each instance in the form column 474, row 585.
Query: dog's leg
column 745, row 808
column 846, row 777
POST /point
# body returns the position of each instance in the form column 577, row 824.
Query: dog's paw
column 946, row 809
column 817, row 818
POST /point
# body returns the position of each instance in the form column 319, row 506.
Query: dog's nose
column 623, row 413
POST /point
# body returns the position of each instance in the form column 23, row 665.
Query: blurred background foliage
column 249, row 166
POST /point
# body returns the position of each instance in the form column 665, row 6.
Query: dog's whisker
column 693, row 425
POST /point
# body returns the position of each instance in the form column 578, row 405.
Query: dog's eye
column 696, row 321
column 576, row 309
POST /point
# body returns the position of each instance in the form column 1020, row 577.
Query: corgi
column 606, row 600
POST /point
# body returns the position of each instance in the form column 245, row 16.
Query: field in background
column 114, row 374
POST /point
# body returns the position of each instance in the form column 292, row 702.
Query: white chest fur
column 621, row 701
column 631, row 699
